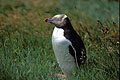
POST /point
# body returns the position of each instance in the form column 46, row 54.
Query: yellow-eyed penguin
column 68, row 47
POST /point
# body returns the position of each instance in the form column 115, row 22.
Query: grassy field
column 25, row 39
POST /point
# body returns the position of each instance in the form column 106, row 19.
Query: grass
column 25, row 39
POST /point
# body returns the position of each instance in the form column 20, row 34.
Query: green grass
column 25, row 39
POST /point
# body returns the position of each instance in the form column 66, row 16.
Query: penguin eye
column 56, row 19
column 59, row 19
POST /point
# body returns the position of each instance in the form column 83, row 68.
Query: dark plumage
column 77, row 43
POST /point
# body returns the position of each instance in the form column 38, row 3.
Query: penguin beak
column 49, row 20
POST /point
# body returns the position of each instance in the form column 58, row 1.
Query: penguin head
column 59, row 20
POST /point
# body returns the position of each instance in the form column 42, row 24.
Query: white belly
column 61, row 50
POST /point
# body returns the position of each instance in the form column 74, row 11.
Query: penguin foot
column 61, row 76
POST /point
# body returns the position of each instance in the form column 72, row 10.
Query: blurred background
column 25, row 39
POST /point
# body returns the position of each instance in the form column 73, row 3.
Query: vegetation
column 25, row 39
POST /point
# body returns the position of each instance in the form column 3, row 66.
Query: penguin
column 67, row 45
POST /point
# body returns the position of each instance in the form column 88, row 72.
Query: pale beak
column 49, row 20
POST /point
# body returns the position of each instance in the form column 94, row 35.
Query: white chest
column 61, row 50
